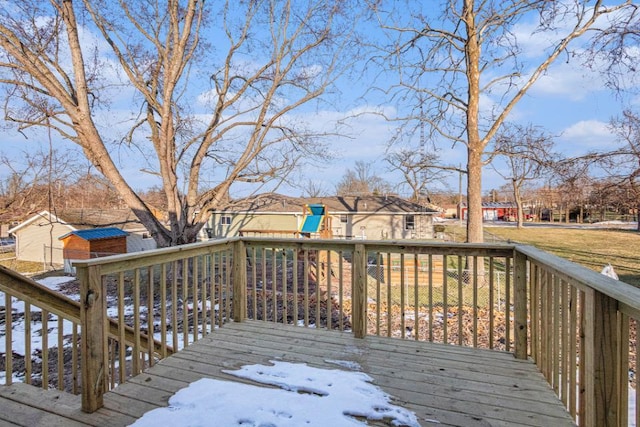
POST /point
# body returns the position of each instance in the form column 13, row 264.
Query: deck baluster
column 239, row 282
column 359, row 292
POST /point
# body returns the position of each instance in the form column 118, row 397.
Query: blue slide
column 313, row 221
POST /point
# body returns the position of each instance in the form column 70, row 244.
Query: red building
column 493, row 211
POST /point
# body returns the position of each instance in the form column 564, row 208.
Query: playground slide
column 313, row 220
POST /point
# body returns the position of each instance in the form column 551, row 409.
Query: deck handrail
column 574, row 323
column 34, row 294
column 576, row 310
column 624, row 293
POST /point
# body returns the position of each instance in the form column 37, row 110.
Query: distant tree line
column 56, row 181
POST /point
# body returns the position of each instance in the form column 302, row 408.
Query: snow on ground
column 616, row 222
column 307, row 396
column 19, row 326
column 54, row 283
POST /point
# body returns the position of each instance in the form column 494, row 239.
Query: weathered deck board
column 453, row 385
column 24, row 408
column 38, row 401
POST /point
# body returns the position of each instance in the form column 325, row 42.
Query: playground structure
column 316, row 222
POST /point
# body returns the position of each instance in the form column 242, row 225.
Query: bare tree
column 90, row 191
column 623, row 164
column 620, row 187
column 527, row 152
column 573, row 178
column 448, row 62
column 313, row 188
column 154, row 197
column 35, row 182
column 419, row 170
column 349, row 184
column 617, row 46
column 362, row 180
column 606, row 196
column 251, row 64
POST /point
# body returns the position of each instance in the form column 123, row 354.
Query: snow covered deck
column 442, row 384
column 449, row 330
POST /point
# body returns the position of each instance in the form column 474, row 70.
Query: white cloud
column 207, row 98
column 587, row 128
column 531, row 43
column 572, row 75
column 587, row 135
column 569, row 80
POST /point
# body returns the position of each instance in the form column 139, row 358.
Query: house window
column 225, row 220
column 409, row 222
column 146, row 236
column 343, row 219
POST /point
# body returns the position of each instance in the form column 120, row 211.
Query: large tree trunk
column 89, row 138
column 581, row 214
column 475, row 232
column 474, row 197
column 518, row 199
column 475, row 145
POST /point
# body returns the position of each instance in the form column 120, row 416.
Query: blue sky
column 570, row 101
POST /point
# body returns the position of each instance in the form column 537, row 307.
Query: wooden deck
column 443, row 385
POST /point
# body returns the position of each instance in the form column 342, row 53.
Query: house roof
column 79, row 219
column 96, row 233
column 334, row 204
column 92, row 218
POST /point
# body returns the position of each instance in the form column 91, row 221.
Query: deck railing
column 35, row 320
column 578, row 326
column 41, row 335
column 582, row 336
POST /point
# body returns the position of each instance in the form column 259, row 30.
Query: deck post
column 520, row 304
column 94, row 337
column 359, row 292
column 239, row 282
column 601, row 347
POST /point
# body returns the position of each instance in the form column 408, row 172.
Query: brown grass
column 589, row 247
column 8, row 259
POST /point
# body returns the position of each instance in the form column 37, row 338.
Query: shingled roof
column 334, row 204
column 82, row 219
column 92, row 218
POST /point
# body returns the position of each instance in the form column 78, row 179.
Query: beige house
column 351, row 217
column 37, row 239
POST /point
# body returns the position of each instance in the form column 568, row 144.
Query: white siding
column 389, row 227
column 33, row 240
column 136, row 243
